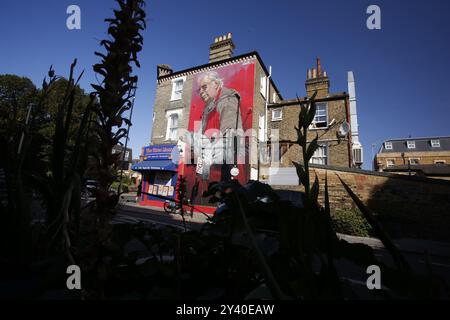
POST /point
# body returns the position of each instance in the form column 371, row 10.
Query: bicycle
column 171, row 206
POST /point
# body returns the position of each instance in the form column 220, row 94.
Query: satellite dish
column 343, row 130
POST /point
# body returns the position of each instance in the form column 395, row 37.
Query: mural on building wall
column 221, row 106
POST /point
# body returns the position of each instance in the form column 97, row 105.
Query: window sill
column 320, row 128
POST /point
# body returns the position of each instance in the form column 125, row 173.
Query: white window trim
column 435, row 143
column 312, row 126
column 277, row 118
column 324, row 157
column 411, row 144
column 172, row 96
column 387, row 163
column 409, row 160
column 443, row 161
column 386, row 144
column 169, row 113
column 263, row 85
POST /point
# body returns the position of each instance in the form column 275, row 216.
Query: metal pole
column 126, row 141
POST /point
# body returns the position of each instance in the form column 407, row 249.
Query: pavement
column 131, row 212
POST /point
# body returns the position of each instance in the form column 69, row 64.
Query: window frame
column 169, row 114
column 323, row 156
column 177, row 94
column 418, row 161
column 411, row 144
column 313, row 125
column 173, row 118
column 388, row 143
column 277, row 118
column 387, row 163
column 436, row 144
column 442, row 162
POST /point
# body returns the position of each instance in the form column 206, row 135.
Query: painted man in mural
column 221, row 112
column 221, row 104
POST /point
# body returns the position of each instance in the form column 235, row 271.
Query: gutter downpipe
column 266, row 129
column 267, row 100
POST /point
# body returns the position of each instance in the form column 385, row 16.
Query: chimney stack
column 163, row 70
column 317, row 81
column 221, row 49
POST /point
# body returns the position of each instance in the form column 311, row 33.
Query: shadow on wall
column 408, row 207
column 413, row 208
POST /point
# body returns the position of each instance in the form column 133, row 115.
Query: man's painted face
column 208, row 89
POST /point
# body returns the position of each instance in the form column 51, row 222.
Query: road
column 131, row 213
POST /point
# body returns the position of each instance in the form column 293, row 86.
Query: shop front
column 159, row 170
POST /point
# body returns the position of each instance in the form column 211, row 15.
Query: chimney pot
column 222, row 48
column 318, row 82
column 319, row 68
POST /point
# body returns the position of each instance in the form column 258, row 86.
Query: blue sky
column 401, row 71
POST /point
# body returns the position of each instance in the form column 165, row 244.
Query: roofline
column 302, row 100
column 418, row 138
column 249, row 54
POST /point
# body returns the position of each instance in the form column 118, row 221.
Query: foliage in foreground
column 256, row 246
column 350, row 222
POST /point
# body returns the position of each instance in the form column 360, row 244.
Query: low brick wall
column 408, row 207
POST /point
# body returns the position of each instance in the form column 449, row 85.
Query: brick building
column 246, row 98
column 338, row 146
column 125, row 160
column 428, row 156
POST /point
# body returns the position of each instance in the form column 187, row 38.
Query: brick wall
column 338, row 150
column 163, row 104
column 409, row 207
column 423, row 157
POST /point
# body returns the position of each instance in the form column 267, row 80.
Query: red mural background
column 239, row 77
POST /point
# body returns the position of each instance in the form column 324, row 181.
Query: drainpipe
column 266, row 129
column 267, row 100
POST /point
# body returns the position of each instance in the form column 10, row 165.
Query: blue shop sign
column 160, row 152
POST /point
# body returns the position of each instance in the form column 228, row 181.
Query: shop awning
column 165, row 165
